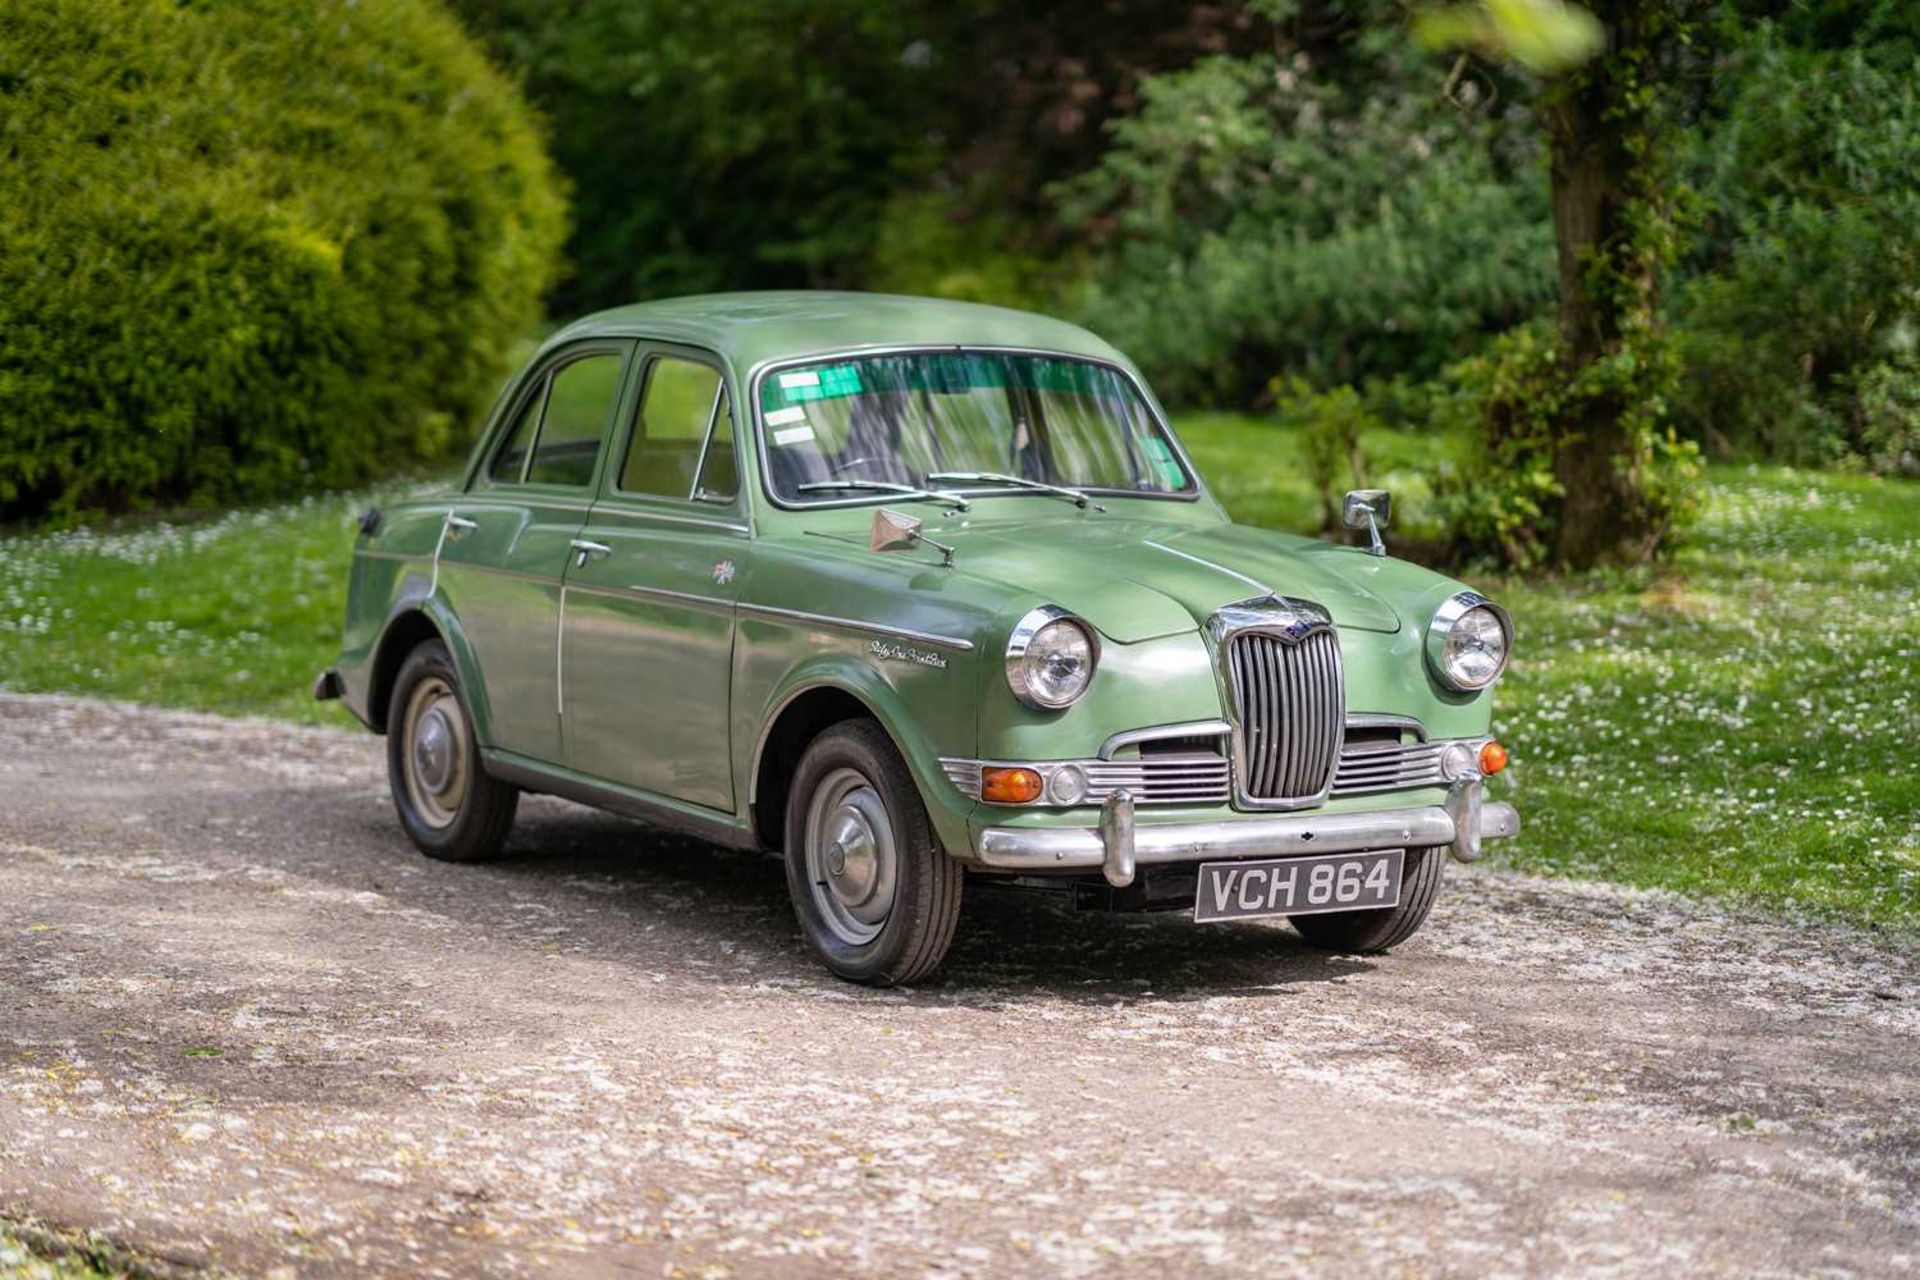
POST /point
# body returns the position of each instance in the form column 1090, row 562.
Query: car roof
column 750, row 329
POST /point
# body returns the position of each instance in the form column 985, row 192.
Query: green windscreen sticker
column 825, row 382
column 938, row 374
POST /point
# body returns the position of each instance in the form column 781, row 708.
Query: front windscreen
column 900, row 419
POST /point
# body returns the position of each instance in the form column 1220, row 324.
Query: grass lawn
column 235, row 614
column 1742, row 721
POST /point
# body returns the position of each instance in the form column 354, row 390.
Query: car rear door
column 506, row 544
column 647, row 642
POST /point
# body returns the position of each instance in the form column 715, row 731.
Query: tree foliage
column 1800, row 315
column 246, row 249
column 760, row 143
column 1325, row 215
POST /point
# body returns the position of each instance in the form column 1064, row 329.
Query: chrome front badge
column 1291, row 620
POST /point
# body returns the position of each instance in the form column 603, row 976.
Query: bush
column 1889, row 399
column 1502, row 504
column 1807, row 279
column 1333, row 219
column 1330, row 424
column 249, row 248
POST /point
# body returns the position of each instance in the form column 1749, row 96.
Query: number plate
column 1298, row 886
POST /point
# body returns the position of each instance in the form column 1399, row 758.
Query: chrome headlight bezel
column 1445, row 619
column 1021, row 642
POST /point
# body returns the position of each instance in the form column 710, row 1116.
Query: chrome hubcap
column 437, row 754
column 850, row 856
column 433, row 750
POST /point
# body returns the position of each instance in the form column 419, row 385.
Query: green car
column 914, row 591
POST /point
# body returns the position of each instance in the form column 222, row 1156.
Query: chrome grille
column 1196, row 778
column 1388, row 766
column 1182, row 779
column 1289, row 701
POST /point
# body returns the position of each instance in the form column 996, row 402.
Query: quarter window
column 719, row 470
column 681, row 399
column 579, row 406
column 511, row 460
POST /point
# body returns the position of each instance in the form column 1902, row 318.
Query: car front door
column 647, row 642
column 505, row 546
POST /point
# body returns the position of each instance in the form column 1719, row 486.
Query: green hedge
column 249, row 247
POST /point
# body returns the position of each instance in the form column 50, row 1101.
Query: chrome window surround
column 1291, row 621
column 1022, row 635
column 1451, row 610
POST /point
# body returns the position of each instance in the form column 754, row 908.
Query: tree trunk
column 1604, row 188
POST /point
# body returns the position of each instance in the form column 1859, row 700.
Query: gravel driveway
column 244, row 1026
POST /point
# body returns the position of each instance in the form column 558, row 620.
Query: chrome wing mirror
column 895, row 531
column 1369, row 509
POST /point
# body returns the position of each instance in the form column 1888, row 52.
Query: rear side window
column 579, row 408
column 511, row 459
column 675, row 411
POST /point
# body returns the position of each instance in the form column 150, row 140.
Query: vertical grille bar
column 1290, row 712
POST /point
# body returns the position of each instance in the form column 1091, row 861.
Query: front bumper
column 1118, row 845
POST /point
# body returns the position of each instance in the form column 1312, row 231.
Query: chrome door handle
column 457, row 525
column 588, row 551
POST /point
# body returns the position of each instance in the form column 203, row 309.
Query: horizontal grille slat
column 1376, row 767
column 1188, row 779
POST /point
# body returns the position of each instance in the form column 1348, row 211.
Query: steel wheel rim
column 435, row 755
column 852, row 862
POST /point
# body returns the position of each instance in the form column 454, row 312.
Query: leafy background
column 262, row 263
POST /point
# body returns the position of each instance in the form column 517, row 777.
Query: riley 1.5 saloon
column 912, row 591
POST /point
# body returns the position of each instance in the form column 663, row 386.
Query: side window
column 510, row 459
column 669, row 429
column 579, row 407
column 719, row 473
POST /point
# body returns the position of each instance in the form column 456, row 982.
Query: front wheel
column 447, row 803
column 876, row 896
column 1364, row 932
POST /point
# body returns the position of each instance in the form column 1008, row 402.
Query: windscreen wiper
column 1078, row 497
column 953, row 500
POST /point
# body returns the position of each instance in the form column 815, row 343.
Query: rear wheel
column 1362, row 932
column 876, row 896
column 448, row 805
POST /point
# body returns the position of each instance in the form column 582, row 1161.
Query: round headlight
column 1050, row 658
column 1468, row 642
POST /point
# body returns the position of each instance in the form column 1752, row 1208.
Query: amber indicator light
column 1493, row 758
column 1009, row 786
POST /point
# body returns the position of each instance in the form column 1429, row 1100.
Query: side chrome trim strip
column 853, row 624
column 473, row 566
column 408, row 557
column 714, row 603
